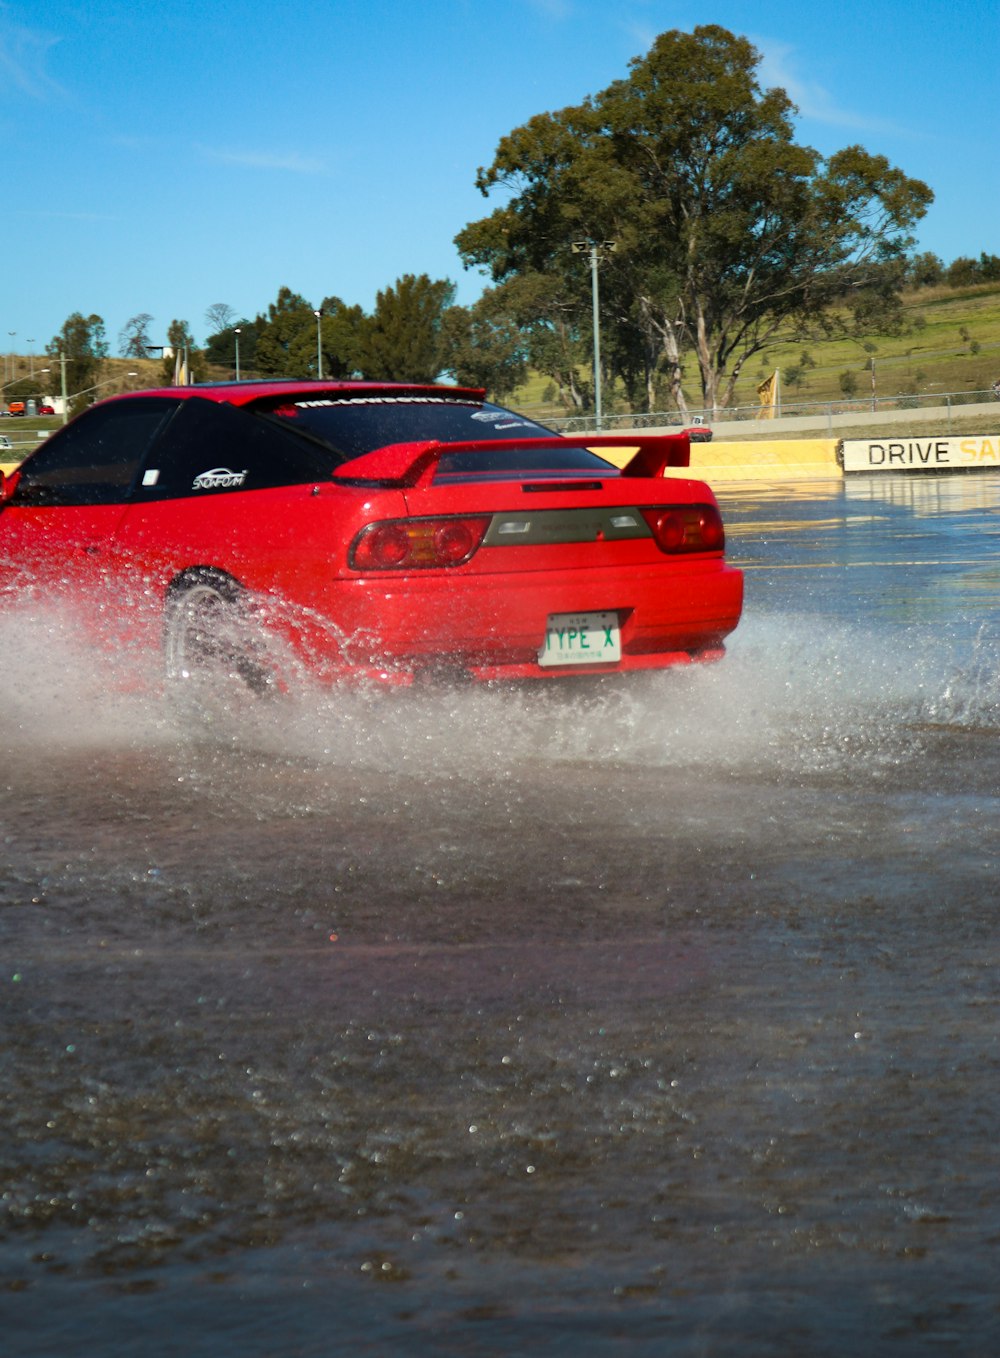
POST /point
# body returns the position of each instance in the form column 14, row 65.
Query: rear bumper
column 658, row 660
column 493, row 627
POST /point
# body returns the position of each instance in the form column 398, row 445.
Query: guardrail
column 23, row 446
column 828, row 413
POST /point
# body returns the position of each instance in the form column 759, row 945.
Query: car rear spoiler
column 409, row 465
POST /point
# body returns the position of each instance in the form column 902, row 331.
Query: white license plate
column 581, row 639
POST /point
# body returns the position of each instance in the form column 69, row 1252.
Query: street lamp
column 68, row 400
column 319, row 344
column 11, row 383
column 237, row 332
column 97, row 385
column 597, row 250
column 13, row 362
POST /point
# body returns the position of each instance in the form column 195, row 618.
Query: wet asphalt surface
column 647, row 1018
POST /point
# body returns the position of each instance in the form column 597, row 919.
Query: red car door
column 58, row 522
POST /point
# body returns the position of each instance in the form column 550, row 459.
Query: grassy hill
column 952, row 344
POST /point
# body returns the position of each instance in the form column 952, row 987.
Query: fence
column 813, row 412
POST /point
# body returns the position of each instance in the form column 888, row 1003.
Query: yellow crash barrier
column 764, row 459
column 748, row 460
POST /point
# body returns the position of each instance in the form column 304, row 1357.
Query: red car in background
column 387, row 531
column 698, row 431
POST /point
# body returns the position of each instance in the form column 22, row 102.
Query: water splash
column 795, row 693
column 971, row 696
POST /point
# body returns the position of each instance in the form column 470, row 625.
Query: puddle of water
column 466, row 1020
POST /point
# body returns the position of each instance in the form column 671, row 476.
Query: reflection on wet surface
column 643, row 1018
column 909, row 549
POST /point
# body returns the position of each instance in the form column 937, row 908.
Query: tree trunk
column 667, row 334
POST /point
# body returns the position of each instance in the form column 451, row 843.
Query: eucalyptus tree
column 133, row 338
column 727, row 232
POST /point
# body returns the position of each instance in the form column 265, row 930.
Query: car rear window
column 357, row 424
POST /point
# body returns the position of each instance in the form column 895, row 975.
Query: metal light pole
column 61, row 360
column 595, row 248
column 319, row 344
column 236, row 332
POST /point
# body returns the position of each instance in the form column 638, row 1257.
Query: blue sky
column 160, row 158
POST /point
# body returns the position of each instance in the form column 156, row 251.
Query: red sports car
column 390, row 531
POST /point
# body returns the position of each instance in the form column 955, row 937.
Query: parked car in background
column 46, row 410
column 698, row 431
column 387, row 532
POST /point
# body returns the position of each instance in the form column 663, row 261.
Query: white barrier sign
column 921, row 455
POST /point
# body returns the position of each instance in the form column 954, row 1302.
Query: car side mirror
column 8, row 485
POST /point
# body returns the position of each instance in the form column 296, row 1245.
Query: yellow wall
column 761, row 458
column 748, row 460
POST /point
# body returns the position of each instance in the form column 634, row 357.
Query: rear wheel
column 216, row 651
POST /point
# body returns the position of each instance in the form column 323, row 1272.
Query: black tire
column 213, row 647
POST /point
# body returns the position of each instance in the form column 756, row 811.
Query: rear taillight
column 686, row 528
column 417, row 544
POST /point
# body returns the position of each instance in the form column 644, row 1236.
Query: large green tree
column 286, row 337
column 220, row 347
column 293, row 341
column 82, row 346
column 483, row 346
column 727, row 232
column 341, row 327
column 401, row 340
column 548, row 312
